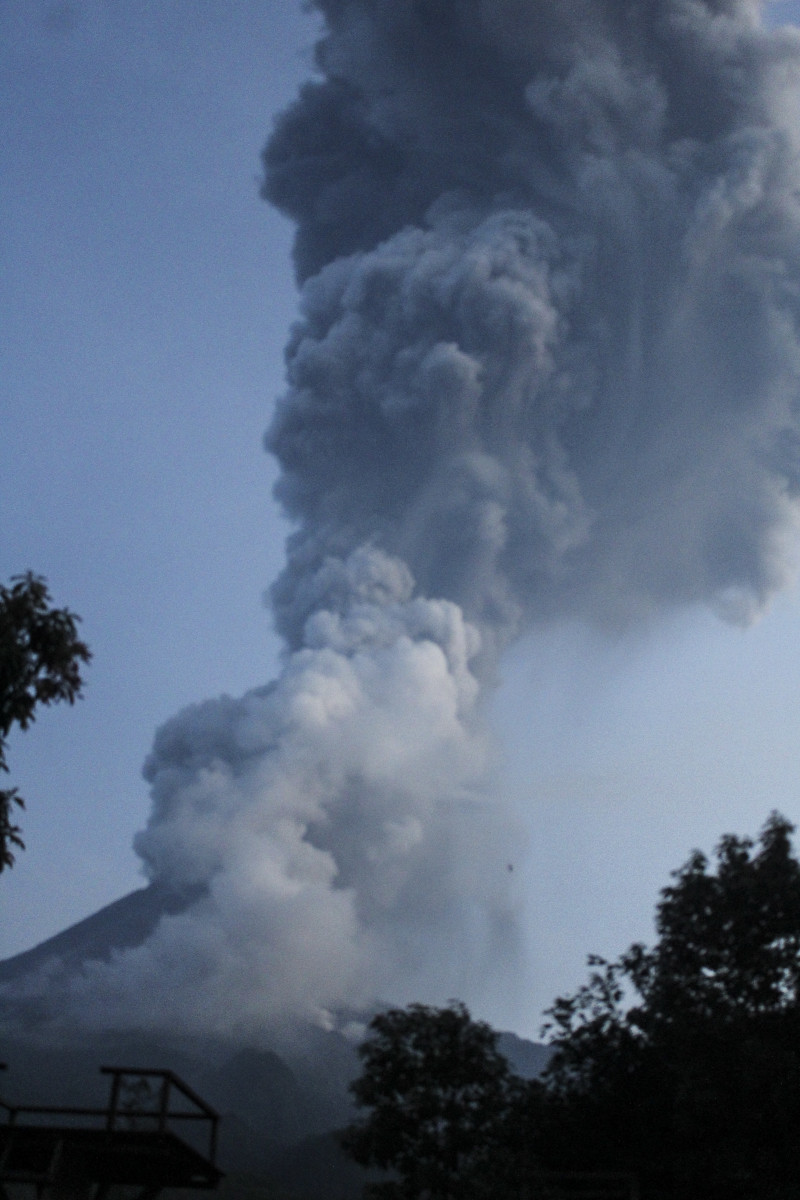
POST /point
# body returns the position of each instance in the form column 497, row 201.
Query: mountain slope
column 279, row 1106
column 121, row 925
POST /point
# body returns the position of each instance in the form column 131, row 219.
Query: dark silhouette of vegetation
column 40, row 664
column 678, row 1063
column 439, row 1094
column 682, row 1062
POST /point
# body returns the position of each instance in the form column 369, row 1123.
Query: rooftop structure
column 83, row 1153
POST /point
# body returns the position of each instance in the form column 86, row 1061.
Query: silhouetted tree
column 682, row 1062
column 40, row 664
column 679, row 1063
column 438, row 1094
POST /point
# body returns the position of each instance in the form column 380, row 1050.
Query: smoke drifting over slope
column 547, row 365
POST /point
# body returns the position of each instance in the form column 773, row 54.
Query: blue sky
column 147, row 293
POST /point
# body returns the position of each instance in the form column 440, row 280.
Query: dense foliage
column 683, row 1061
column 40, row 664
column 679, row 1063
column 438, row 1093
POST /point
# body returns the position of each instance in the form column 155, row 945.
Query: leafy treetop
column 438, row 1091
column 682, row 1061
column 678, row 1063
column 728, row 949
column 40, row 664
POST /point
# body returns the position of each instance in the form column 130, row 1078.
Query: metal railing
column 133, row 1103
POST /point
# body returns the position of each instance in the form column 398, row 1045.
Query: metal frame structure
column 82, row 1153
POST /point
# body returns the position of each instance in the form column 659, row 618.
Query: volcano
column 280, row 1108
column 121, row 925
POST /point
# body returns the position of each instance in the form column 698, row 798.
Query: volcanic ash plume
column 546, row 366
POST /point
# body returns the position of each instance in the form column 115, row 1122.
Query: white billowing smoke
column 336, row 823
column 547, row 365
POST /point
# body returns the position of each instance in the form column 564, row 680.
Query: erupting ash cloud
column 547, row 365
